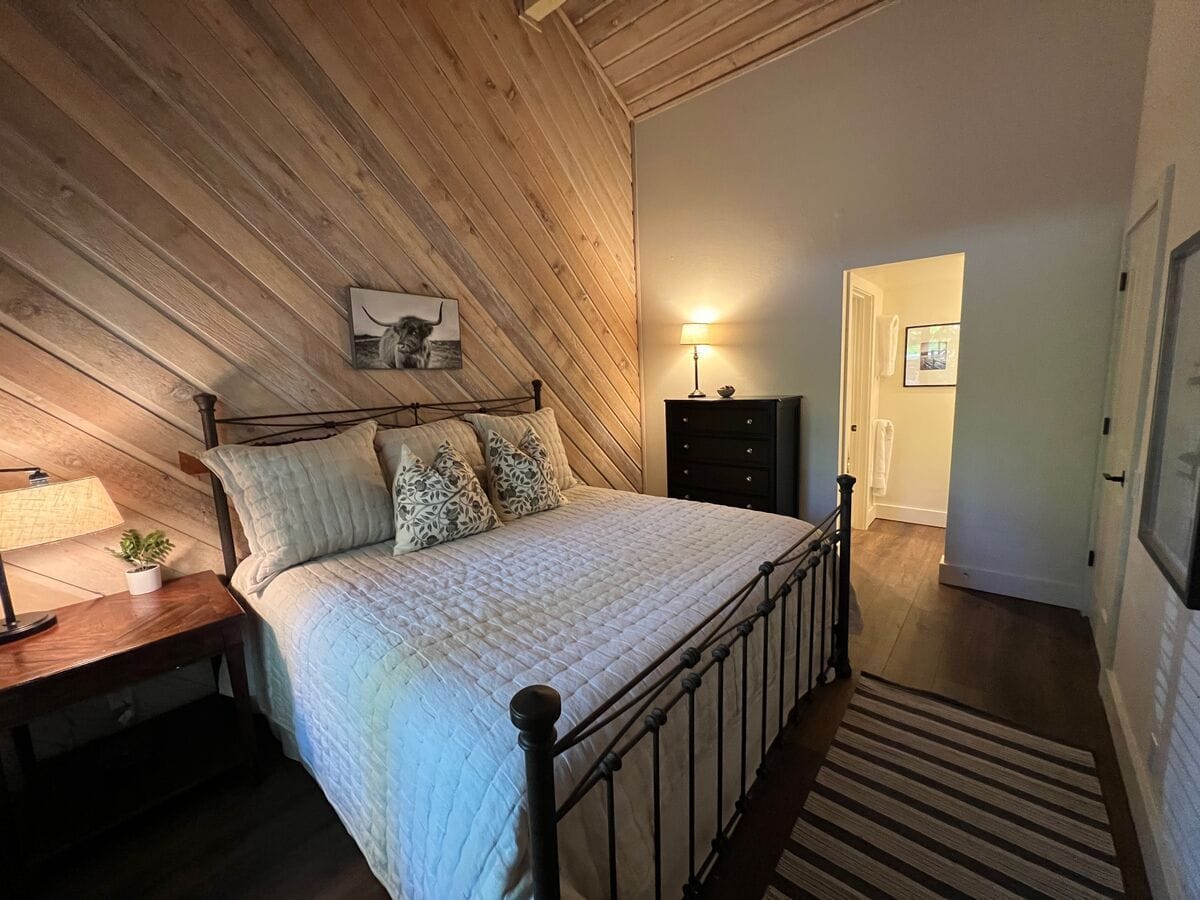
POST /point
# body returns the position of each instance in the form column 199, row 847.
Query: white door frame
column 1155, row 201
column 865, row 379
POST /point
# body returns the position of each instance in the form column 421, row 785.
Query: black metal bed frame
column 284, row 428
column 643, row 704
column 640, row 708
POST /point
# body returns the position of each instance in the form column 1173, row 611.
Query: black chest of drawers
column 737, row 452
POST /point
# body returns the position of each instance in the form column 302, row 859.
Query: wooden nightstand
column 96, row 647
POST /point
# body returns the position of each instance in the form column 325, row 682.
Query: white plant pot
column 145, row 580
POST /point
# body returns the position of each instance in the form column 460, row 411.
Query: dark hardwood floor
column 1026, row 662
column 230, row 839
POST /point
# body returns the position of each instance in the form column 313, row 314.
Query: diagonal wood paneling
column 656, row 52
column 187, row 190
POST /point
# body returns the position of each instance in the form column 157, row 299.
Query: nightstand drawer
column 713, row 418
column 700, row 495
column 686, row 447
column 738, row 479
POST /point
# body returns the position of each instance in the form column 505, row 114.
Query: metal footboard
column 811, row 581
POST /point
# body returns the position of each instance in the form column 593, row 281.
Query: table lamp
column 695, row 334
column 40, row 514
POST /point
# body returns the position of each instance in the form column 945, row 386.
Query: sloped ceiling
column 656, row 52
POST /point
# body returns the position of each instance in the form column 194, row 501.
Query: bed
column 393, row 679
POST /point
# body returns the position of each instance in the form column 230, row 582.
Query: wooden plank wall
column 188, row 189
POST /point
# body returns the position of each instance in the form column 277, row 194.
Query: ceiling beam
column 536, row 10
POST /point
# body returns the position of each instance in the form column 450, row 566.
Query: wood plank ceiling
column 187, row 190
column 656, row 52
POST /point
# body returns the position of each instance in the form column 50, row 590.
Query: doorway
column 1118, row 477
column 861, row 399
column 900, row 343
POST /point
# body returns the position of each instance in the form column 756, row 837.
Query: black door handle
column 1119, row 479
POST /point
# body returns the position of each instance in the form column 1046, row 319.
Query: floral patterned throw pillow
column 439, row 502
column 522, row 477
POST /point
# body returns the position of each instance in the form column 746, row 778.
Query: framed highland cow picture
column 389, row 330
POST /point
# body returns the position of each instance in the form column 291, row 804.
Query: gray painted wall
column 1002, row 129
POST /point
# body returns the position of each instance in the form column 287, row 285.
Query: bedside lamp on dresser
column 695, row 335
column 41, row 514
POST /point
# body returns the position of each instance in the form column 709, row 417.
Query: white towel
column 887, row 339
column 881, row 465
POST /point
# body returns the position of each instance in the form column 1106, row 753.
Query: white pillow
column 512, row 428
column 438, row 503
column 521, row 476
column 424, row 441
column 304, row 500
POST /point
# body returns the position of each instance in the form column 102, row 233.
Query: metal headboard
column 289, row 427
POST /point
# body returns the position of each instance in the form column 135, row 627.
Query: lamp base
column 26, row 625
column 694, row 394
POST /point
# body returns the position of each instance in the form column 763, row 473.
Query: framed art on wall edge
column 1171, row 496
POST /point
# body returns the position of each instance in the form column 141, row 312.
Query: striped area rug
column 921, row 797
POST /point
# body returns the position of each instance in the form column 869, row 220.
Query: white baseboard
column 1056, row 593
column 1161, row 870
column 912, row 514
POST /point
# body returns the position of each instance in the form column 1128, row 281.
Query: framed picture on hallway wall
column 931, row 355
column 1171, row 499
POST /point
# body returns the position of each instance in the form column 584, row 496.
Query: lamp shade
column 694, row 333
column 55, row 512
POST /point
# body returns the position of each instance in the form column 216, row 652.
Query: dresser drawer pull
column 749, row 450
column 748, row 421
column 686, row 472
column 685, row 418
column 687, row 496
column 749, row 506
column 749, row 477
column 685, row 446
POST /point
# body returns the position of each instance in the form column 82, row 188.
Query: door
column 858, row 360
column 1129, row 369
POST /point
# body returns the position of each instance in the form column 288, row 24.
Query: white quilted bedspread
column 390, row 679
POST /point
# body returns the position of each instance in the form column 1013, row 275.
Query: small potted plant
column 145, row 553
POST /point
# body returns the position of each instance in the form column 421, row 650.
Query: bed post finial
column 841, row 630
column 207, row 404
column 536, row 384
column 535, row 711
